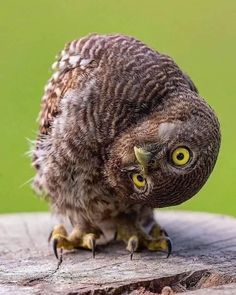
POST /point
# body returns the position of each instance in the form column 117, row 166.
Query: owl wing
column 67, row 69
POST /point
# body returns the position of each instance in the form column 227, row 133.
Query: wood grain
column 203, row 260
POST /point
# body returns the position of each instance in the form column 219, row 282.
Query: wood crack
column 200, row 260
column 37, row 280
column 182, row 282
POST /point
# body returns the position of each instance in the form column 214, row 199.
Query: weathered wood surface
column 203, row 260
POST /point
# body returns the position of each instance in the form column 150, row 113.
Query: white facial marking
column 166, row 129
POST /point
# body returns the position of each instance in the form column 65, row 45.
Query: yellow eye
column 180, row 156
column 138, row 180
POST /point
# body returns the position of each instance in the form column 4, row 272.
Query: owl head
column 167, row 157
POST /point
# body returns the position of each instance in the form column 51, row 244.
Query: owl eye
column 180, row 156
column 138, row 180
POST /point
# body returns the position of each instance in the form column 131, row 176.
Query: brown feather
column 108, row 94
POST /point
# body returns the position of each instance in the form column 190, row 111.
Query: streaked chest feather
column 84, row 193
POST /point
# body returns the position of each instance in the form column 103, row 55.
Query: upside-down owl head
column 167, row 158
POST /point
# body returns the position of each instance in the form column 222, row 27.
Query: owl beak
column 143, row 157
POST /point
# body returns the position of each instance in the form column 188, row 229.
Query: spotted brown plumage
column 112, row 116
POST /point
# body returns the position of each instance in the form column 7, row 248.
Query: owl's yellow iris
column 180, row 156
column 138, row 180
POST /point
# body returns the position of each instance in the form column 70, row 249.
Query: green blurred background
column 200, row 35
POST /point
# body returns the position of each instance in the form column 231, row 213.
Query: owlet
column 122, row 131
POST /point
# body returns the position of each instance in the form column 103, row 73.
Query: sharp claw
column 131, row 255
column 115, row 235
column 132, row 245
column 54, row 246
column 165, row 232
column 50, row 236
column 169, row 245
column 93, row 246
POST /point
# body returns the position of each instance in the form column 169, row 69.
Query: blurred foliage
column 200, row 35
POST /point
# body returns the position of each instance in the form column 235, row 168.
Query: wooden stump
column 203, row 259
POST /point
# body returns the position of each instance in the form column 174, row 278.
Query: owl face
column 164, row 162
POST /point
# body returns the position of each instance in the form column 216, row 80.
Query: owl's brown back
column 114, row 68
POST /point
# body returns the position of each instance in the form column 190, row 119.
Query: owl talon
column 168, row 242
column 93, row 246
column 137, row 238
column 169, row 246
column 50, row 236
column 132, row 245
column 131, row 255
column 61, row 242
column 77, row 239
column 160, row 240
column 161, row 243
column 54, row 246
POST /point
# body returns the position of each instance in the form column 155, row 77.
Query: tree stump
column 203, row 259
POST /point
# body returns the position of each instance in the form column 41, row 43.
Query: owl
column 122, row 130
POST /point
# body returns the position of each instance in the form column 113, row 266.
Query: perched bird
column 122, row 131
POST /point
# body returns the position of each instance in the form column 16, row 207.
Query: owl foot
column 76, row 239
column 136, row 239
column 159, row 240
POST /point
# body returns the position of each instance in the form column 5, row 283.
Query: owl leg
column 160, row 240
column 76, row 239
column 136, row 238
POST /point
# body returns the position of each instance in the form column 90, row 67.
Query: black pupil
column 180, row 156
column 140, row 178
